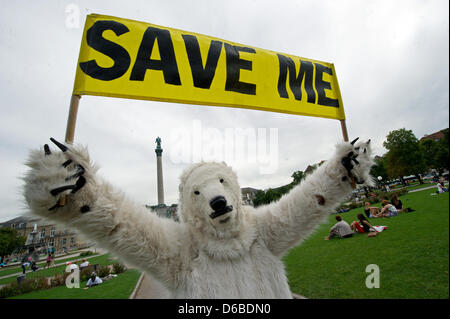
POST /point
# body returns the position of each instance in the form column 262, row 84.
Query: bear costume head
column 210, row 199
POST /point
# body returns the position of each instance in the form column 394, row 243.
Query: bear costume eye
column 197, row 193
column 221, row 180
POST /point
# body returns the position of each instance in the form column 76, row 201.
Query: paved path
column 421, row 189
column 149, row 288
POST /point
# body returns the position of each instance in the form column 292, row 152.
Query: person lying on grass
column 94, row 280
column 363, row 226
column 341, row 229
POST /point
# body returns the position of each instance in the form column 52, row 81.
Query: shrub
column 27, row 285
column 86, row 273
column 86, row 253
column 9, row 290
column 103, row 271
column 59, row 279
column 42, row 283
column 118, row 268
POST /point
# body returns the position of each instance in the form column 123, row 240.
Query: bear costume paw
column 59, row 182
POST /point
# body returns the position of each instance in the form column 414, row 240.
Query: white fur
column 199, row 257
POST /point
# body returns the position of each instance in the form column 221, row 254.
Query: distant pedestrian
column 48, row 261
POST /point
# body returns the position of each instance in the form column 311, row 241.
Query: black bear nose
column 218, row 203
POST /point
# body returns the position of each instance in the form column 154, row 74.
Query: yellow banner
column 137, row 60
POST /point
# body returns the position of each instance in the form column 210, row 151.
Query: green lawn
column 412, row 255
column 101, row 260
column 120, row 287
column 16, row 269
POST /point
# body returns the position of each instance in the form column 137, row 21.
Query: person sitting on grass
column 34, row 267
column 440, row 188
column 341, row 229
column 84, row 263
column 94, row 280
column 388, row 210
column 399, row 205
column 363, row 226
column 371, row 211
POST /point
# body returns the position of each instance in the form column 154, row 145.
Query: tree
column 429, row 149
column 379, row 169
column 436, row 153
column 442, row 153
column 9, row 241
column 404, row 156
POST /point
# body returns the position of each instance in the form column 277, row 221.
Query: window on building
column 72, row 240
column 52, row 242
column 52, row 232
column 13, row 226
column 21, row 225
column 42, row 233
column 64, row 241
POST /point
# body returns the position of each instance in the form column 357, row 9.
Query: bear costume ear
column 186, row 173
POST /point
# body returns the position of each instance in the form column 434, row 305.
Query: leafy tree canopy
column 9, row 241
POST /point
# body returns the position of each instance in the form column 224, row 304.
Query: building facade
column 41, row 235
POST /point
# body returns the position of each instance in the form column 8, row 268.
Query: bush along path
column 106, row 272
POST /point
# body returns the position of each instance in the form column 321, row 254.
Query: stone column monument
column 158, row 151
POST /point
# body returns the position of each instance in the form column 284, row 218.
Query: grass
column 16, row 269
column 101, row 260
column 120, row 287
column 412, row 255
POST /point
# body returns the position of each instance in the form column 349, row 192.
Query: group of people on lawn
column 343, row 230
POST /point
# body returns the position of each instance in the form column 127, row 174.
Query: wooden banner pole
column 344, row 130
column 71, row 121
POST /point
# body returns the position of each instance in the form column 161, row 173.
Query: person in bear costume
column 220, row 248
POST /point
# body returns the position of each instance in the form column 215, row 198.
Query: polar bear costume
column 220, row 249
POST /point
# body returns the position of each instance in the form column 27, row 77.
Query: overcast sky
column 391, row 60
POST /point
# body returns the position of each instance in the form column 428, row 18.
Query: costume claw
column 79, row 184
column 47, row 149
column 354, row 141
column 58, row 190
column 67, row 163
column 61, row 146
column 77, row 174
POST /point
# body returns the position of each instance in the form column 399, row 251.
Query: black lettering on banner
column 234, row 65
column 168, row 62
column 120, row 56
column 202, row 76
column 322, row 85
column 295, row 82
